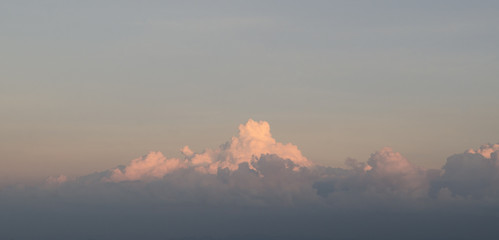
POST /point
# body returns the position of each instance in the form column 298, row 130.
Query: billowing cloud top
column 485, row 150
column 254, row 168
column 254, row 140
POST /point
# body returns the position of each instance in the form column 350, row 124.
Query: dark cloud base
column 324, row 203
column 256, row 188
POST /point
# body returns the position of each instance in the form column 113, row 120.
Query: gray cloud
column 255, row 187
column 473, row 174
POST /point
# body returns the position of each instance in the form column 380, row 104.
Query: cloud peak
column 254, row 140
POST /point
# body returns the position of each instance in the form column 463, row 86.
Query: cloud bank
column 255, row 187
column 254, row 140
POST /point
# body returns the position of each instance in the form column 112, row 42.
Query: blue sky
column 89, row 85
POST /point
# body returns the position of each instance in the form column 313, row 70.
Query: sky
column 88, row 85
column 197, row 119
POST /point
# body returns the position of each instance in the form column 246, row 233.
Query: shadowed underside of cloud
column 254, row 140
column 255, row 187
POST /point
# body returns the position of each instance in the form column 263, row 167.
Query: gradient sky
column 88, row 85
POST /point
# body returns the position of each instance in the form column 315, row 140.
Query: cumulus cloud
column 254, row 168
column 153, row 165
column 254, row 140
column 474, row 173
column 391, row 170
column 387, row 178
column 253, row 180
column 485, row 150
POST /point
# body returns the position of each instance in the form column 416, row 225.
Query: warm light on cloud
column 254, row 140
column 395, row 171
column 153, row 165
column 253, row 162
column 485, row 150
column 254, row 174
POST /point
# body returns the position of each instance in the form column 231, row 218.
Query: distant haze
column 89, row 85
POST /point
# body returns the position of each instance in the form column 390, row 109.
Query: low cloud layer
column 254, row 140
column 253, row 178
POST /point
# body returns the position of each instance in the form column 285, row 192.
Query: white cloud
column 254, row 140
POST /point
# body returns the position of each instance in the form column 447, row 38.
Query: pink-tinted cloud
column 255, row 173
column 152, row 166
column 254, row 140
column 255, row 168
column 392, row 170
column 485, row 150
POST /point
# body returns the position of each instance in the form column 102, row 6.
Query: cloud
column 390, row 170
column 153, row 165
column 474, row 173
column 485, row 150
column 56, row 180
column 256, row 186
column 254, row 168
column 254, row 140
column 387, row 178
column 186, row 151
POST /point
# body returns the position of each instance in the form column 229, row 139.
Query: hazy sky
column 89, row 85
